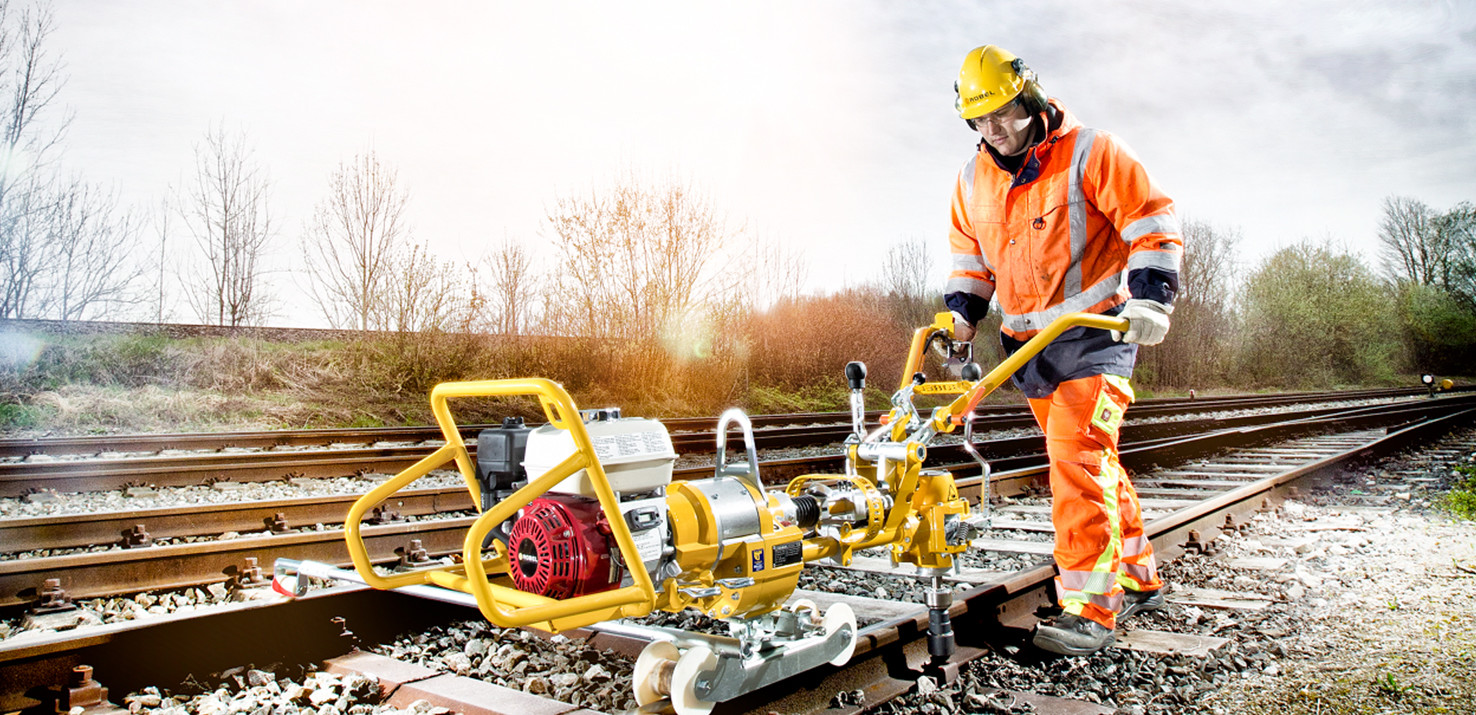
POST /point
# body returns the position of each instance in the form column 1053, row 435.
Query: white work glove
column 962, row 331
column 1148, row 322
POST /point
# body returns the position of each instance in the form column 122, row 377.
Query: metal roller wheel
column 801, row 604
column 837, row 616
column 653, row 670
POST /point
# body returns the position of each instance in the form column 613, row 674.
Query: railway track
column 1207, row 478
column 146, row 444
column 1018, row 460
column 267, row 462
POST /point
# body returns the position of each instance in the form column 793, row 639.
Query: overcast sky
column 827, row 126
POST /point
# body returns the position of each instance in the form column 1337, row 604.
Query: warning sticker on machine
column 634, row 444
column 648, row 544
column 758, row 560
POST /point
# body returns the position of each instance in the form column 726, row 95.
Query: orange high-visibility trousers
column 1100, row 544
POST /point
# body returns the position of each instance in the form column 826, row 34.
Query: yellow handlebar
column 965, row 404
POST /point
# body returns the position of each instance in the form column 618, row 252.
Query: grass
column 1461, row 499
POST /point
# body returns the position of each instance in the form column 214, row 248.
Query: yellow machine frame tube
column 502, row 605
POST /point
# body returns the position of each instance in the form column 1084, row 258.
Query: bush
column 1316, row 317
column 1439, row 330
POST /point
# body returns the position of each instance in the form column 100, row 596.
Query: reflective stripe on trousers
column 1100, row 545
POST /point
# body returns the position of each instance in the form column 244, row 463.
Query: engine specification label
column 634, row 444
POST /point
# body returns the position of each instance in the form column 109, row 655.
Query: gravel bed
column 119, row 609
column 252, row 691
column 54, row 504
column 1374, row 611
column 886, row 587
column 555, row 666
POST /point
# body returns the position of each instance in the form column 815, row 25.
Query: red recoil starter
column 560, row 547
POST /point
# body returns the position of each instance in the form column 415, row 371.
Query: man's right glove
column 963, row 332
column 1148, row 322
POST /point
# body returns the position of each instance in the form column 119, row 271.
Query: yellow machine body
column 733, row 549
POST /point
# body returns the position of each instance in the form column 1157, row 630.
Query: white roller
column 836, row 616
column 696, row 661
column 801, row 604
column 645, row 679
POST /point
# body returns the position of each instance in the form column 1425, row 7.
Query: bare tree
column 512, row 287
column 1197, row 349
column 30, row 80
column 161, row 227
column 425, row 293
column 912, row 298
column 1408, row 244
column 350, row 242
column 1456, row 234
column 636, row 258
column 777, row 272
column 91, row 257
column 225, row 210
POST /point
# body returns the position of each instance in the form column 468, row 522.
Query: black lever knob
column 918, row 378
column 856, row 375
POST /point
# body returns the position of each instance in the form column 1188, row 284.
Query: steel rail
column 92, row 529
column 125, row 571
column 1017, row 462
column 20, row 478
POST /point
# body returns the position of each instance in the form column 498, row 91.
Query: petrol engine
column 725, row 544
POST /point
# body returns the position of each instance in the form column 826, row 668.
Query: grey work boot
column 1140, row 602
column 1070, row 634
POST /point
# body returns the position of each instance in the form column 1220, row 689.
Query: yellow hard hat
column 990, row 78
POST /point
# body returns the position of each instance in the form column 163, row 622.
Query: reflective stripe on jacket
column 1057, row 237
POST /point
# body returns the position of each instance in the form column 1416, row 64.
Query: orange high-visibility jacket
column 1057, row 237
column 1080, row 227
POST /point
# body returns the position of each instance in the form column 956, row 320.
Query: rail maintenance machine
column 581, row 525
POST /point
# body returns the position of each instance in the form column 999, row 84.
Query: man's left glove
column 1148, row 322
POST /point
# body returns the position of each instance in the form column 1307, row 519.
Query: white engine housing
column 636, row 454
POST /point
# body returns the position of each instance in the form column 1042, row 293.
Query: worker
column 1049, row 218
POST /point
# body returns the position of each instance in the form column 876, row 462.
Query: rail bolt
column 52, row 598
column 80, row 692
column 1194, row 544
column 383, row 515
column 412, row 555
column 277, row 523
column 248, row 575
column 137, row 537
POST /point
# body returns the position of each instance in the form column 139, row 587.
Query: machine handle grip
column 965, row 404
